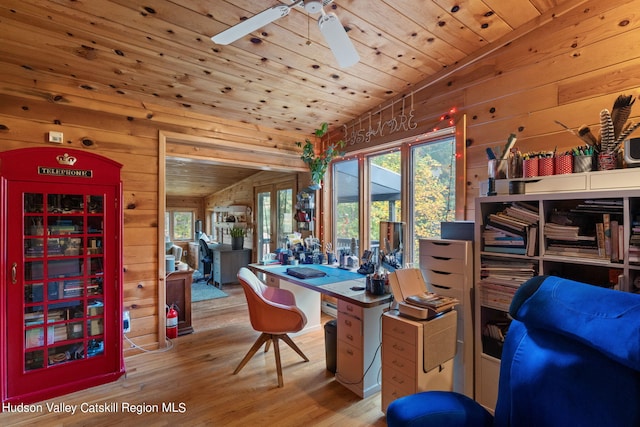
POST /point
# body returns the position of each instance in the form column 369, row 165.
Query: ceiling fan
column 330, row 27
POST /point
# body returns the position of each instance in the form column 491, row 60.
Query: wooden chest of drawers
column 403, row 356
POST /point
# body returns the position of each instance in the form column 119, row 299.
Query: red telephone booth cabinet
column 61, row 280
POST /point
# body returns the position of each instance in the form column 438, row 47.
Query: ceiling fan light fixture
column 313, row 6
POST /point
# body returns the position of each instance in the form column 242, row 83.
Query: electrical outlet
column 126, row 322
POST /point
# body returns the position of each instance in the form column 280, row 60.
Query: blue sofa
column 571, row 358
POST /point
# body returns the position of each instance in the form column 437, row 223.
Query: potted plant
column 237, row 237
column 318, row 164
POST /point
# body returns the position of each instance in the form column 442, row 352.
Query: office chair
column 206, row 257
column 272, row 312
column 571, row 357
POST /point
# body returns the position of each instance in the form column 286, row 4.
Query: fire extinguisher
column 172, row 322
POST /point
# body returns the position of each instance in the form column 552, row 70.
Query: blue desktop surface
column 333, row 274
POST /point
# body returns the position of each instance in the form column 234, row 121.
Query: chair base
column 268, row 338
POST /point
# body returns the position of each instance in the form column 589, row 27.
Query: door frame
column 210, row 150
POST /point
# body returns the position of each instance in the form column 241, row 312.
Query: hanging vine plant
column 318, row 164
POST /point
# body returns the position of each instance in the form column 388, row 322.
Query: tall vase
column 237, row 243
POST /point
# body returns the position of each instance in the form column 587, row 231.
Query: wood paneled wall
column 568, row 70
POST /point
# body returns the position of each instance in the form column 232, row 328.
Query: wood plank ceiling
column 282, row 76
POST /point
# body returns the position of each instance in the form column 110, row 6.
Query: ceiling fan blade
column 338, row 40
column 250, row 25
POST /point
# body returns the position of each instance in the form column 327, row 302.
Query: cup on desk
column 377, row 286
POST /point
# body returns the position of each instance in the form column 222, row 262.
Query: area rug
column 200, row 291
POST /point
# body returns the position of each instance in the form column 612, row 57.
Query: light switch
column 56, row 137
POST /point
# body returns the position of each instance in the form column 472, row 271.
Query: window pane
column 183, row 225
column 385, row 184
column 346, row 192
column 433, row 188
column 285, row 214
column 264, row 224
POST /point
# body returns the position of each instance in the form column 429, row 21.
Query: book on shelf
column 606, row 222
column 600, row 239
column 615, row 255
column 515, row 250
column 610, row 206
column 620, row 242
column 525, row 215
column 518, row 221
column 505, row 232
column 564, row 232
column 532, row 240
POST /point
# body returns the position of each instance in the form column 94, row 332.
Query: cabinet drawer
column 398, row 380
column 443, row 280
column 450, row 249
column 349, row 363
column 402, row 348
column 404, row 362
column 397, row 329
column 351, row 309
column 444, row 264
column 349, row 330
column 391, row 392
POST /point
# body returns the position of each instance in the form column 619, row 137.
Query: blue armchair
column 571, row 358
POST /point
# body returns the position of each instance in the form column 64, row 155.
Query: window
column 178, row 225
column 422, row 173
column 346, row 191
column 432, row 193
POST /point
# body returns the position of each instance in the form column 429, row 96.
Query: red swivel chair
column 272, row 312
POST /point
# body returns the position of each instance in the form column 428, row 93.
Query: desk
column 358, row 324
column 227, row 263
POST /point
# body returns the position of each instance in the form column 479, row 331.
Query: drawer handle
column 349, row 308
column 398, row 347
column 398, row 364
column 396, row 379
column 442, row 272
column 444, row 258
column 350, row 352
column 347, row 322
column 440, row 243
column 350, row 337
column 400, row 331
column 440, row 286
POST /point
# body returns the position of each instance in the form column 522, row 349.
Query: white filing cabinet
column 358, row 358
column 417, row 355
column 447, row 266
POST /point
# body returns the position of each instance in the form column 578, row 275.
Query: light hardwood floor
column 196, row 374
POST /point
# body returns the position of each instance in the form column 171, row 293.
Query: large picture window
column 413, row 181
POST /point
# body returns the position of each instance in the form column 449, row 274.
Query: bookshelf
column 588, row 236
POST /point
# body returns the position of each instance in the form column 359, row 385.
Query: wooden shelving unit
column 499, row 273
